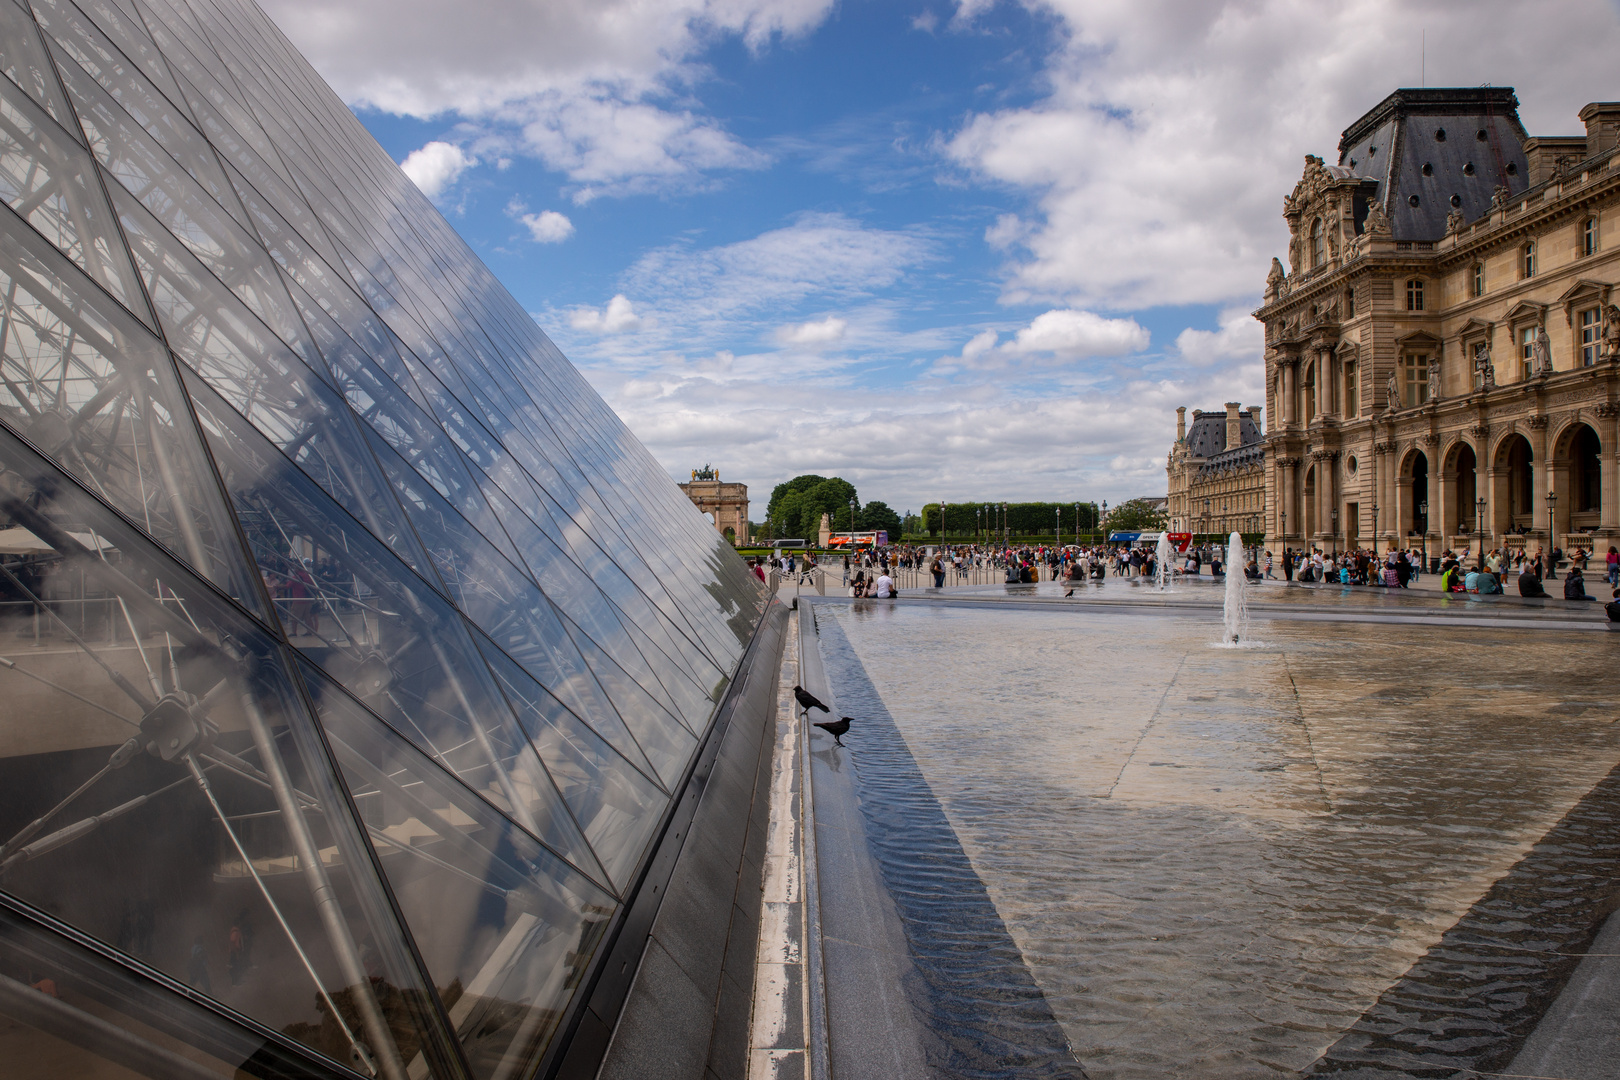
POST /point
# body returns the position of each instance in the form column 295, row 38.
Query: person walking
column 1612, row 566
column 938, row 570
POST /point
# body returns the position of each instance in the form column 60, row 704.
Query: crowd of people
column 875, row 572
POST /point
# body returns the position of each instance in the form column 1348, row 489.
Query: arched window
column 1589, row 236
column 1318, row 244
column 1414, row 294
column 1528, row 259
column 1479, row 279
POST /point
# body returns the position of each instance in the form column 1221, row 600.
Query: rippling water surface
column 1213, row 861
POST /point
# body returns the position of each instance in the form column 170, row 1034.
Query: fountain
column 1161, row 561
column 1235, row 618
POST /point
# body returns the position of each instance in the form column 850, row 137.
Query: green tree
column 1135, row 515
column 878, row 515
column 797, row 484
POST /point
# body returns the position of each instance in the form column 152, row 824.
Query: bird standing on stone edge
column 808, row 701
column 835, row 728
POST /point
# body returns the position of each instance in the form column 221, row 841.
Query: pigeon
column 835, row 728
column 808, row 701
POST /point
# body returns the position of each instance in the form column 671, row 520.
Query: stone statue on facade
column 1377, row 223
column 1500, row 197
column 1484, row 373
column 1541, row 353
column 1456, row 222
column 1611, row 332
column 1277, row 279
column 1434, row 380
column 1393, row 390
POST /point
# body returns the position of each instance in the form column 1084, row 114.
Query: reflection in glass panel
column 616, row 805
column 164, row 790
column 114, row 101
column 47, row 178
column 345, row 601
column 87, row 384
column 114, row 29
column 74, row 1013
column 23, row 61
column 505, row 928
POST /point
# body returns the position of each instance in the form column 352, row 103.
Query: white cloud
column 548, row 227
column 1059, row 336
column 1172, row 128
column 821, row 332
column 616, row 318
column 595, row 88
column 1240, row 337
column 826, row 256
column 436, row 166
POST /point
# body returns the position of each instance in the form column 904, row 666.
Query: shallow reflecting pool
column 1213, row 861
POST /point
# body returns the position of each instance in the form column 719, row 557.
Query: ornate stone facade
column 1216, row 472
column 1443, row 353
column 724, row 504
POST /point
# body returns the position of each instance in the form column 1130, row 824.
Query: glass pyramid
column 352, row 650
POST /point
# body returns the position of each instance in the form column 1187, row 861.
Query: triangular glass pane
column 617, row 806
column 90, row 386
column 47, row 177
column 151, row 817
column 117, row 38
column 24, row 62
column 663, row 738
column 506, row 929
column 194, row 226
column 206, row 324
column 122, row 99
column 346, row 602
column 309, row 423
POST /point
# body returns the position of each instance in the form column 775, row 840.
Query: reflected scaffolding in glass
column 505, row 928
column 91, row 387
column 165, row 791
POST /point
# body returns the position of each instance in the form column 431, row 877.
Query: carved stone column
column 1387, row 489
column 1609, row 434
column 1290, row 402
column 1443, row 510
column 1540, row 473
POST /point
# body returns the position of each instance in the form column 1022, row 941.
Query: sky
column 967, row 250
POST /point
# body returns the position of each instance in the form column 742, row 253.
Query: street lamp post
column 1375, row 527
column 1334, row 514
column 1552, row 531
column 1479, row 525
column 1104, row 524
column 1423, row 508
column 1059, row 510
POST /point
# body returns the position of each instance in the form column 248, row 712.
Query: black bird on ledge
column 835, row 728
column 808, row 701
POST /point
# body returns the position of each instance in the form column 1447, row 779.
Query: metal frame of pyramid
column 354, row 654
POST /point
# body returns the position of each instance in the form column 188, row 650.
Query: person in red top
column 759, row 571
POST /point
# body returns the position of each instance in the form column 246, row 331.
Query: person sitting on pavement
column 1529, row 584
column 1575, row 585
column 1612, row 608
column 1487, row 584
column 885, row 587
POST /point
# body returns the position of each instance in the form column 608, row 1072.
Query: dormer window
column 1414, row 294
column 1318, row 244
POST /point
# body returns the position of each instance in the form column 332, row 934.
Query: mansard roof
column 1436, row 151
column 1206, row 435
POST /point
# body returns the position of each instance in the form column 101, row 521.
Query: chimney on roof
column 1602, row 120
column 1181, row 424
column 1254, row 414
column 1234, row 425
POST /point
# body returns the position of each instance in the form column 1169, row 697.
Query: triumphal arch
column 724, row 504
column 1443, row 348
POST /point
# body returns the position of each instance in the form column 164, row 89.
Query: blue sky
column 960, row 249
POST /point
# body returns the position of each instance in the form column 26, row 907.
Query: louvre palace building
column 1443, row 350
column 375, row 705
